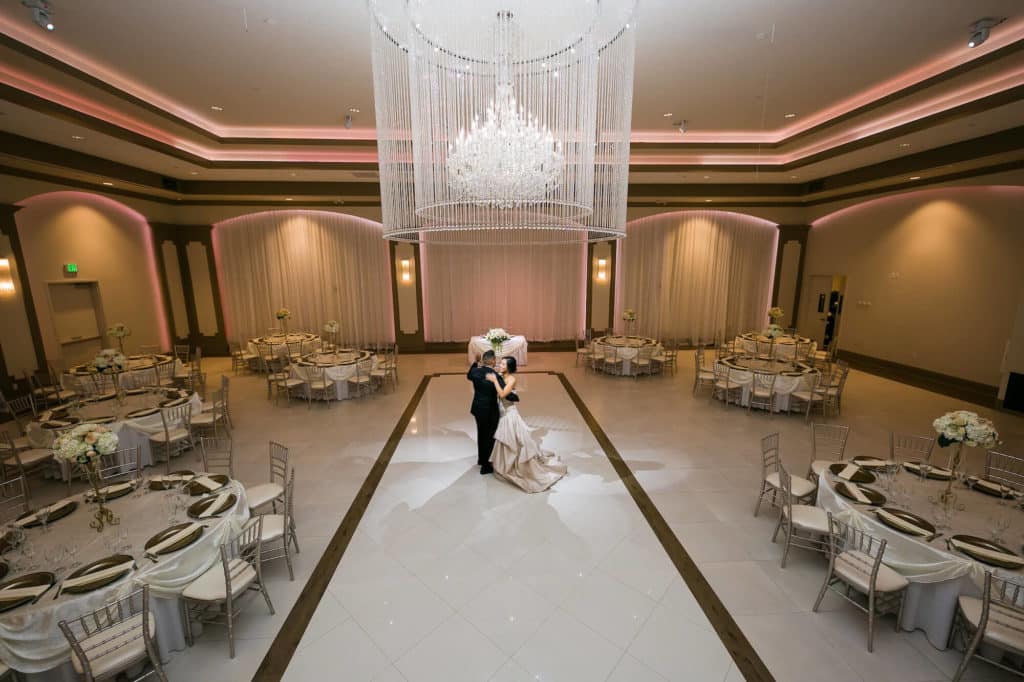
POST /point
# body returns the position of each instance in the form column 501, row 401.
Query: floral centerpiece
column 775, row 314
column 629, row 315
column 962, row 428
column 773, row 331
column 111, row 360
column 283, row 315
column 83, row 445
column 497, row 338
column 331, row 328
column 119, row 330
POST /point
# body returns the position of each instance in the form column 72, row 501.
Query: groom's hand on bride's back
column 512, row 397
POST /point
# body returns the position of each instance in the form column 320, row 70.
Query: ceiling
column 121, row 92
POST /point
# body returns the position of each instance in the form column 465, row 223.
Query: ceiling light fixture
column 480, row 141
column 216, row 107
column 980, row 30
column 108, row 184
column 708, row 201
column 353, row 110
column 77, row 137
column 194, row 173
column 40, row 13
column 789, row 115
column 667, row 114
column 904, row 145
column 914, row 177
column 289, row 199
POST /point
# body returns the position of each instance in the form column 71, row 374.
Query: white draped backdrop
column 696, row 274
column 536, row 291
column 321, row 266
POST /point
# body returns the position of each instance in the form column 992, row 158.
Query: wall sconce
column 6, row 283
column 602, row 272
column 406, row 270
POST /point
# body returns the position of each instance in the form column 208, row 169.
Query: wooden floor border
column 281, row 650
column 736, row 643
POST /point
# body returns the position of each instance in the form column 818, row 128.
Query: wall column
column 601, row 285
column 407, row 296
column 790, row 255
column 21, row 342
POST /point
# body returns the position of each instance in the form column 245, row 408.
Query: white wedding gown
column 517, row 457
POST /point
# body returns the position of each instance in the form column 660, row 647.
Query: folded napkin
column 208, row 483
column 20, row 593
column 176, row 537
column 215, row 506
column 992, row 487
column 986, row 553
column 848, row 472
column 54, row 508
column 873, row 462
column 903, row 524
column 172, row 478
column 857, row 493
column 95, row 576
column 55, row 423
column 145, row 412
column 112, row 489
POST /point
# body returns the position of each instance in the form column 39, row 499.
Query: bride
column 517, row 457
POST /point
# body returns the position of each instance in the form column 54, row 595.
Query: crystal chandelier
column 503, row 121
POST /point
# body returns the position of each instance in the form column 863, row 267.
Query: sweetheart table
column 514, row 347
column 30, row 640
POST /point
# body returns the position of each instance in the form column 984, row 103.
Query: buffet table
column 790, row 377
column 627, row 348
column 515, row 347
column 338, row 366
column 30, row 640
column 938, row 573
column 133, row 421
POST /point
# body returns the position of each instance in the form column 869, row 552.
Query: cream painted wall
column 933, row 277
column 110, row 243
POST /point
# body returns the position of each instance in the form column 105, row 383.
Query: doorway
column 822, row 310
column 78, row 321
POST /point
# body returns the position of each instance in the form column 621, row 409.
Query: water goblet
column 44, row 517
column 72, row 548
column 28, row 554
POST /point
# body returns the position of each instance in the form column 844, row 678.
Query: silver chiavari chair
column 272, row 491
column 1005, row 469
column 855, row 564
column 828, row 445
column 904, row 447
column 771, row 461
column 218, row 455
column 13, row 498
column 804, row 525
column 762, row 392
column 176, row 435
column 280, row 528
column 725, row 388
column 701, row 374
column 996, row 619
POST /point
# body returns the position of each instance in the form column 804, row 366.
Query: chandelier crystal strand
column 506, row 118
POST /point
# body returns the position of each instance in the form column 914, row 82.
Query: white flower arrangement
column 775, row 313
column 119, row 330
column 85, row 442
column 109, row 359
column 496, row 336
column 629, row 315
column 331, row 326
column 962, row 426
column 283, row 314
column 773, row 331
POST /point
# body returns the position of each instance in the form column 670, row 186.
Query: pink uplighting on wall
column 939, row 193
column 71, row 198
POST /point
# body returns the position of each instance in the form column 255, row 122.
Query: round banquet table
column 137, row 374
column 627, row 348
column 785, row 346
column 514, row 347
column 338, row 366
column 131, row 431
column 937, row 574
column 790, row 376
column 30, row 640
column 278, row 342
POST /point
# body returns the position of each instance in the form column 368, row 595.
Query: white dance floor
column 456, row 576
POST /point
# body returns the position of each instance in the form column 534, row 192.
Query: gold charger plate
column 37, row 579
column 180, row 544
column 199, row 507
column 195, row 490
column 969, row 541
column 875, row 498
column 906, row 517
column 54, row 516
column 94, row 567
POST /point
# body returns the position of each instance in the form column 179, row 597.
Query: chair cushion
column 174, row 434
column 34, row 456
column 806, row 396
column 996, row 631
column 820, row 466
column 320, row 384
column 204, row 419
column 808, row 518
column 291, row 383
column 116, row 649
column 273, row 527
column 261, row 494
column 21, row 442
column 210, row 585
column 854, row 567
column 801, row 487
column 362, row 379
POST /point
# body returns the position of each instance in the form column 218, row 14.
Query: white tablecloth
column 130, row 432
column 514, row 347
column 937, row 576
column 344, row 367
column 785, row 384
column 627, row 348
column 30, row 640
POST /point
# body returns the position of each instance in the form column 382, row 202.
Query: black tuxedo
column 484, row 409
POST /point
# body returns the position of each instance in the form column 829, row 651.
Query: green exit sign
column 71, row 268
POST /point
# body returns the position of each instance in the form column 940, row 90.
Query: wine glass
column 44, row 517
column 72, row 548
column 28, row 554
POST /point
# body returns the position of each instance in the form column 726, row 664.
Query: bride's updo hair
column 510, row 364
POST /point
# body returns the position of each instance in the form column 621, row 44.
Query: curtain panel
column 538, row 291
column 697, row 275
column 321, row 266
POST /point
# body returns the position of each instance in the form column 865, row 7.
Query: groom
column 484, row 408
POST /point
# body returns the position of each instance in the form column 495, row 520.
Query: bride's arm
column 510, row 385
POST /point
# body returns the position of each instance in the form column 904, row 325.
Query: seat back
column 844, row 537
column 903, row 446
column 278, row 463
column 764, row 382
column 127, row 621
column 828, row 441
column 176, row 417
column 770, row 460
column 218, row 455
column 13, row 498
column 1005, row 469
